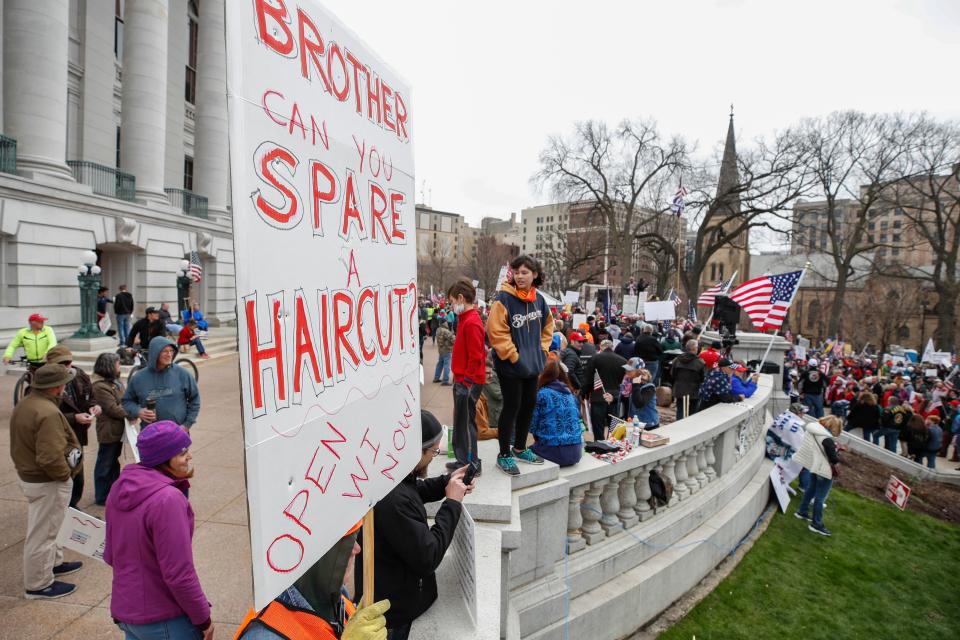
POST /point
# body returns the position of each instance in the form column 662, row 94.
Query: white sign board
column 325, row 253
column 641, row 302
column 800, row 352
column 660, row 310
column 579, row 319
column 571, row 297
column 465, row 561
column 630, row 305
column 131, row 432
column 481, row 297
column 83, row 533
column 591, row 306
column 503, row 276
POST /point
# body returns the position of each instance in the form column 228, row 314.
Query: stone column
column 1, row 67
column 643, row 494
column 692, row 483
column 590, row 511
column 610, row 505
column 210, row 148
column 668, row 468
column 628, row 499
column 35, row 85
column 680, row 488
column 143, row 109
column 711, row 460
column 575, row 540
column 702, row 465
column 178, row 45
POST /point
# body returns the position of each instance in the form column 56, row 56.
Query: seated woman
column 643, row 396
column 195, row 314
column 555, row 425
column 188, row 336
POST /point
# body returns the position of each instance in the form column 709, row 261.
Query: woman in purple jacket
column 156, row 591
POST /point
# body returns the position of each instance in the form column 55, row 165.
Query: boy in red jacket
column 469, row 372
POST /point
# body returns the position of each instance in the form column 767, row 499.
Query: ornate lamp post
column 183, row 287
column 89, row 279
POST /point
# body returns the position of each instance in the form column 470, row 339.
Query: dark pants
column 816, row 493
column 694, row 402
column 929, row 456
column 519, row 400
column 399, row 633
column 465, row 421
column 599, row 419
column 107, row 469
column 77, row 491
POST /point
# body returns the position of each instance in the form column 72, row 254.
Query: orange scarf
column 529, row 296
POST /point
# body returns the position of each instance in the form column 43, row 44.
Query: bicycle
column 22, row 387
column 141, row 363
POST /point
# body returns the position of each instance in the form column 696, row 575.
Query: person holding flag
column 606, row 371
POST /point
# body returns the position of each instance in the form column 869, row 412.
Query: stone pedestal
column 87, row 345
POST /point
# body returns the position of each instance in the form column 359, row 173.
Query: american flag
column 597, row 382
column 766, row 299
column 707, row 298
column 195, row 271
column 677, row 203
column 673, row 295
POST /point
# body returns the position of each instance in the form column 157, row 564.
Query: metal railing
column 105, row 181
column 189, row 202
column 8, row 154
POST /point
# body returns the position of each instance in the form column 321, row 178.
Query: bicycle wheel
column 190, row 366
column 21, row 388
column 135, row 368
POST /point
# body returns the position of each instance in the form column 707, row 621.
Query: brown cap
column 52, row 375
column 59, row 354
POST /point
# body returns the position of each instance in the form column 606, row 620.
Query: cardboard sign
column 325, row 253
column 571, row 297
column 83, row 533
column 641, row 302
column 661, row 310
column 897, row 492
column 464, row 551
column 800, row 352
column 503, row 276
column 481, row 297
column 780, row 487
column 630, row 305
column 131, row 432
column 578, row 319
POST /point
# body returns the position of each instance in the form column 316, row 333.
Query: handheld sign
column 325, row 253
column 897, row 492
column 83, row 533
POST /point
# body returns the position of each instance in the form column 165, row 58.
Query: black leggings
column 519, row 400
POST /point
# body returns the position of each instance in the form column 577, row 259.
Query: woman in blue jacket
column 555, row 424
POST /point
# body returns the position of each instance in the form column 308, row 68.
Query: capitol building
column 113, row 117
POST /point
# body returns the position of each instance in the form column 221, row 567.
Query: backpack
column 662, row 490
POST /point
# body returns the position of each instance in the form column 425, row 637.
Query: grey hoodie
column 175, row 390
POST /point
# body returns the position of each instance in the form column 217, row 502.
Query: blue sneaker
column 507, row 465
column 528, row 456
column 801, row 516
column 66, row 568
column 822, row 530
column 56, row 590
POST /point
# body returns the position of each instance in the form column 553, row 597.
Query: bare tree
column 489, row 258
column 622, row 171
column 572, row 258
column 892, row 301
column 440, row 268
column 851, row 156
column 929, row 199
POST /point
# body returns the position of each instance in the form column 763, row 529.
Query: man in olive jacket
column 47, row 456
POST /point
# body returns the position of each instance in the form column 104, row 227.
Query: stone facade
column 121, row 148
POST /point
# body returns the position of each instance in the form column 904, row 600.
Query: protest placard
column 578, row 319
column 630, row 305
column 571, row 297
column 897, row 492
column 464, row 550
column 641, row 302
column 660, row 310
column 83, row 533
column 322, row 184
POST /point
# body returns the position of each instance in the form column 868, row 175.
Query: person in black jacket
column 866, row 415
column 570, row 357
column 407, row 550
column 688, row 372
column 648, row 349
column 144, row 329
column 123, row 308
column 609, row 367
column 626, row 346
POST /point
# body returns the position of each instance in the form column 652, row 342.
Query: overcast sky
column 491, row 80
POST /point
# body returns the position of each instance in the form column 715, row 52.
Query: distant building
column 507, row 232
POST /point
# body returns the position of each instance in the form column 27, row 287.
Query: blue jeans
column 814, row 404
column 123, row 327
column 107, row 469
column 890, row 438
column 654, row 369
column 199, row 345
column 931, row 457
column 804, row 480
column 817, row 493
column 443, row 365
column 180, row 628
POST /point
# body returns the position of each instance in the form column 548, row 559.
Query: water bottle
column 635, row 432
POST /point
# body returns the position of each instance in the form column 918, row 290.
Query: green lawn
column 883, row 574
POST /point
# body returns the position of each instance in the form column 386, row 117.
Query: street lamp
column 183, row 287
column 89, row 279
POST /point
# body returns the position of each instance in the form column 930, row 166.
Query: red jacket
column 469, row 351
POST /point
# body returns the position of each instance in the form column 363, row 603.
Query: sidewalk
column 221, row 542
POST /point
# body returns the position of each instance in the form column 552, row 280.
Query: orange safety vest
column 293, row 623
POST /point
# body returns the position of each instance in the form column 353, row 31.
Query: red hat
column 576, row 336
column 36, row 317
column 954, row 403
column 741, row 368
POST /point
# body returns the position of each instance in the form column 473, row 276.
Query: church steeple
column 729, row 176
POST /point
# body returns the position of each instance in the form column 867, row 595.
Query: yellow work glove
column 620, row 432
column 367, row 623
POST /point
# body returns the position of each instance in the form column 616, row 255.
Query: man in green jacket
column 47, row 457
column 35, row 339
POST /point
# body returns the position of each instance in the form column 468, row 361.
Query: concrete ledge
column 903, row 465
column 618, row 607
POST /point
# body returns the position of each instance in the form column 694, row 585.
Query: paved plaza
column 221, row 544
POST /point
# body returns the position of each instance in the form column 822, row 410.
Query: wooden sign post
column 368, row 589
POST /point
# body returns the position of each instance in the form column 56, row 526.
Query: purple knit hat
column 160, row 441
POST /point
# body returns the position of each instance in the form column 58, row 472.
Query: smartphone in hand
column 470, row 473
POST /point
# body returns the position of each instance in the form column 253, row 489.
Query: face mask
column 458, row 308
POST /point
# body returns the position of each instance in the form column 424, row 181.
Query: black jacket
column 123, row 303
column 687, row 371
column 864, row 416
column 571, row 358
column 610, row 367
column 625, row 348
column 407, row 552
column 648, row 348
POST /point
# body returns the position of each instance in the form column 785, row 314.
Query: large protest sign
column 630, row 305
column 323, row 217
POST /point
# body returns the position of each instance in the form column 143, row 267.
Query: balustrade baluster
column 692, row 483
column 711, row 460
column 643, row 493
column 669, row 469
column 680, row 488
column 628, row 499
column 590, row 512
column 610, row 505
column 575, row 541
column 702, row 465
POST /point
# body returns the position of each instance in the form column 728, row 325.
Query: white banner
column 630, row 305
column 325, row 253
column 571, row 297
column 83, row 533
column 660, row 310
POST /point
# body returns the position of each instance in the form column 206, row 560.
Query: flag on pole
column 597, row 382
column 674, row 296
column 708, row 297
column 195, row 271
column 766, row 299
column 677, row 205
